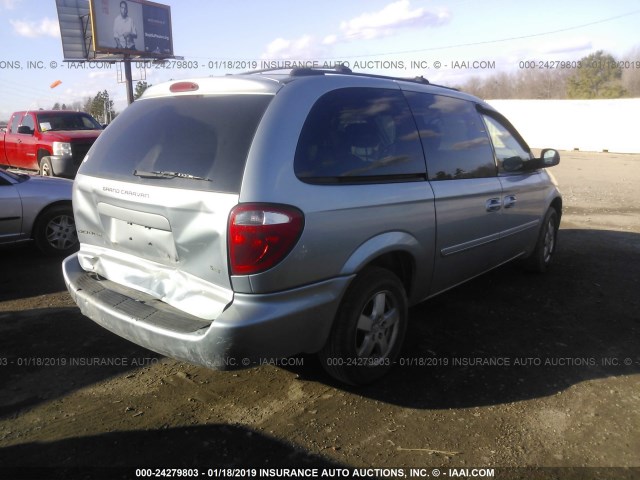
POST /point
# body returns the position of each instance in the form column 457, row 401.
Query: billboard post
column 129, row 78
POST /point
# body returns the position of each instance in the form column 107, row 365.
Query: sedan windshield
column 17, row 177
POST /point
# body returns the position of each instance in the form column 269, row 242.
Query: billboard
column 73, row 17
column 135, row 27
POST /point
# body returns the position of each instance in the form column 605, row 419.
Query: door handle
column 510, row 201
column 493, row 205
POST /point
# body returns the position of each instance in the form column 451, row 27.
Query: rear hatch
column 153, row 196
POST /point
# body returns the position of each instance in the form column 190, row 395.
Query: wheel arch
column 44, row 210
column 556, row 203
column 43, row 153
column 394, row 251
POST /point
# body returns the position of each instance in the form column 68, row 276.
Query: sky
column 445, row 41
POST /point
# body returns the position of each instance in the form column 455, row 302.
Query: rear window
column 207, row 137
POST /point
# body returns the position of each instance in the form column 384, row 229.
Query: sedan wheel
column 55, row 232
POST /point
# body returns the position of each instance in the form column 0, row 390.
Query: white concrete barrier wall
column 589, row 125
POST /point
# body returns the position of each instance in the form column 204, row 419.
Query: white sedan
column 37, row 208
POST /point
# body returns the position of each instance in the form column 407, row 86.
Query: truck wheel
column 368, row 330
column 55, row 231
column 45, row 167
column 541, row 257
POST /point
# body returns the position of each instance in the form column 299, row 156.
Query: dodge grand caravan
column 262, row 215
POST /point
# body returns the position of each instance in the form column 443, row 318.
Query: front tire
column 46, row 170
column 369, row 329
column 55, row 231
column 542, row 256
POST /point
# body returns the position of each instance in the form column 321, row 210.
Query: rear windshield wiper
column 163, row 174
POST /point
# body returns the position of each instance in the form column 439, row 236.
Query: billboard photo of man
column 124, row 29
column 131, row 27
column 117, row 25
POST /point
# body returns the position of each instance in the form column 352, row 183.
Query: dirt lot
column 510, row 370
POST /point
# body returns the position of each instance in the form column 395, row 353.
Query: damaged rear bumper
column 253, row 329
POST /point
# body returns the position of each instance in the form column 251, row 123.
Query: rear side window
column 15, row 123
column 356, row 135
column 200, row 136
column 456, row 144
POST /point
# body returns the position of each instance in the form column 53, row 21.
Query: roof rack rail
column 263, row 70
column 343, row 70
column 300, row 71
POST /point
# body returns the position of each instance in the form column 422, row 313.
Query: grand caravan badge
column 129, row 193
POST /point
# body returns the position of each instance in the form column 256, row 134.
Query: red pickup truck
column 53, row 142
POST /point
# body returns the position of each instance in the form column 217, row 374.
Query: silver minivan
column 227, row 221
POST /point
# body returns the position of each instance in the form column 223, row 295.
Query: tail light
column 261, row 235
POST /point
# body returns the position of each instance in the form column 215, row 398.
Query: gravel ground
column 535, row 376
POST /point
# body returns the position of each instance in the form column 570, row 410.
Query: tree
column 524, row 83
column 140, row 88
column 631, row 73
column 101, row 107
column 599, row 76
column 87, row 104
column 56, row 106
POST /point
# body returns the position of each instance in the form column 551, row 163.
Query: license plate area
column 147, row 242
column 147, row 235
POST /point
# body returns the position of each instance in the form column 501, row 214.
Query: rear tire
column 369, row 329
column 542, row 256
column 55, row 231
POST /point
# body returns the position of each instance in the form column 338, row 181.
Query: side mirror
column 549, row 158
column 25, row 130
column 512, row 164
